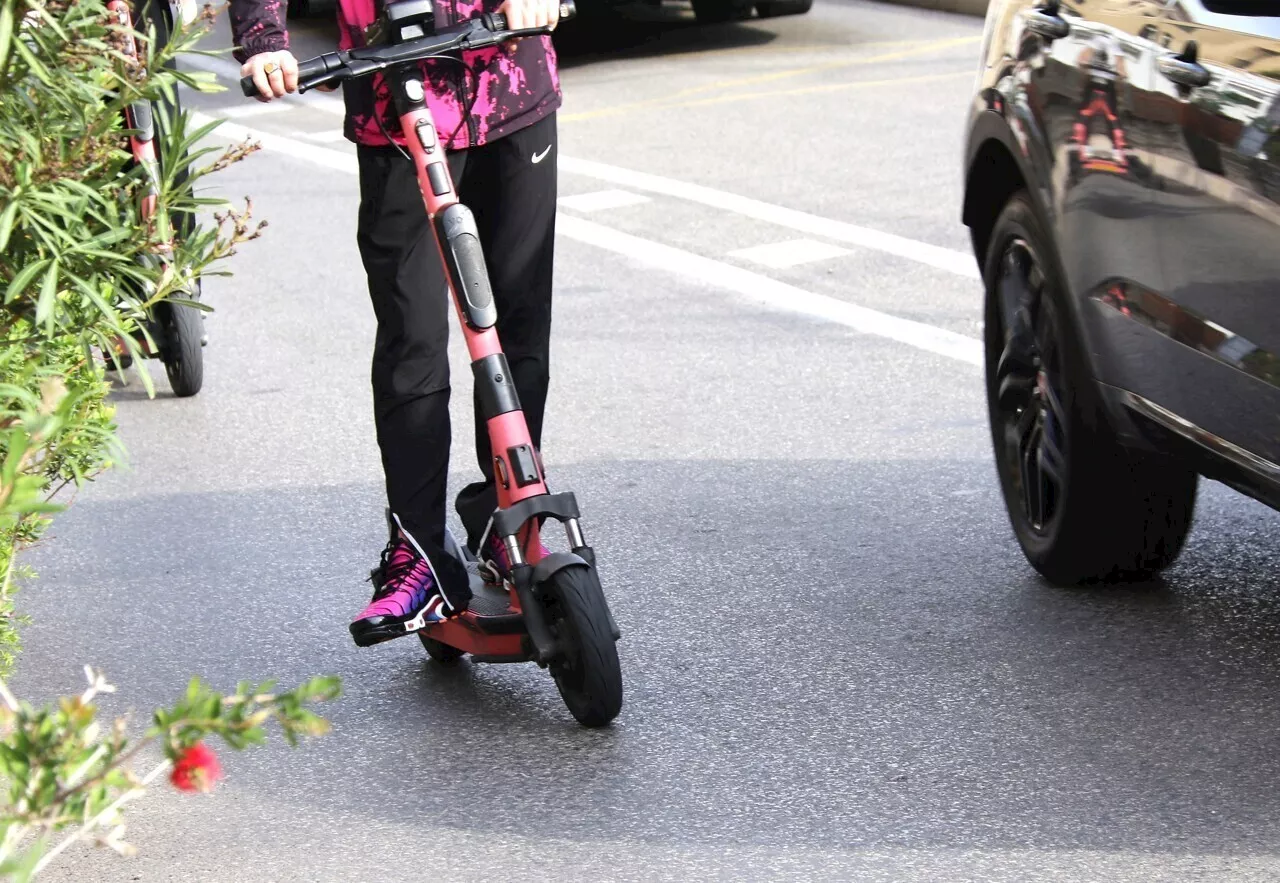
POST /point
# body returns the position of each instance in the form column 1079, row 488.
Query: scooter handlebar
column 339, row 65
column 496, row 21
column 308, row 71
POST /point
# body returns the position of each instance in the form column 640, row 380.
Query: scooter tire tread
column 184, row 362
column 597, row 699
column 442, row 653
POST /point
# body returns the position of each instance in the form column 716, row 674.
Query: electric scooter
column 172, row 332
column 551, row 610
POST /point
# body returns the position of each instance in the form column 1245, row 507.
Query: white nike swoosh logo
column 539, row 157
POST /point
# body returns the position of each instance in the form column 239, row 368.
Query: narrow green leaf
column 23, row 278
column 6, row 222
column 48, row 294
column 7, row 20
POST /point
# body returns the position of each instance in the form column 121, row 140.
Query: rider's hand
column 274, row 73
column 530, row 14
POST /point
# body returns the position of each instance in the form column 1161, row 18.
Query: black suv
column 1122, row 190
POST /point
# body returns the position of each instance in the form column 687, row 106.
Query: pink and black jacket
column 508, row 90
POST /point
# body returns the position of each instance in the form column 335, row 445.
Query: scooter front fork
column 517, row 468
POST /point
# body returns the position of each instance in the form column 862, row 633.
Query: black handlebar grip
column 309, row 69
column 496, row 21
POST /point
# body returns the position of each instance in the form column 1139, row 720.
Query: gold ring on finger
column 269, row 69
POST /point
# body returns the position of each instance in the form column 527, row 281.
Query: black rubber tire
column 711, row 12
column 183, row 351
column 1118, row 513
column 588, row 674
column 441, row 653
column 777, row 8
column 181, row 327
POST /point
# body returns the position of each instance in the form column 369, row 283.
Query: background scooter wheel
column 588, row 674
column 183, row 353
column 441, row 653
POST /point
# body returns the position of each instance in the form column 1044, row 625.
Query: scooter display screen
column 406, row 20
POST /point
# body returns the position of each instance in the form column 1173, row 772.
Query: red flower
column 196, row 769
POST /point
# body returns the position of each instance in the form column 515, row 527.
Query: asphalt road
column 838, row 667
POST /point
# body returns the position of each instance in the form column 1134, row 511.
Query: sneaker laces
column 388, row 574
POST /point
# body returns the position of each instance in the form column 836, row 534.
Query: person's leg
column 410, row 376
column 510, row 186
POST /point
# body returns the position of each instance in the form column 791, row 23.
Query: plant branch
column 106, row 812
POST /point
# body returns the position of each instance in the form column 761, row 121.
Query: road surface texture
column 766, row 395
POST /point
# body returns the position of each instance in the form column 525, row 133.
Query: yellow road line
column 751, row 96
column 677, row 55
column 665, row 100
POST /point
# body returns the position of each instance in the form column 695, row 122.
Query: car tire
column 709, row 12
column 1083, row 507
column 777, row 8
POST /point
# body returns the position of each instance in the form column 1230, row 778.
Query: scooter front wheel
column 587, row 672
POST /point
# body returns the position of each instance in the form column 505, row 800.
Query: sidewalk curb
column 966, row 7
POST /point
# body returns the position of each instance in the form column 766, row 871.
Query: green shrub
column 79, row 264
column 80, row 267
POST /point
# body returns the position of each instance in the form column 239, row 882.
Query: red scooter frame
column 551, row 610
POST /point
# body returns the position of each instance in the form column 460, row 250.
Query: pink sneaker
column 494, row 565
column 406, row 596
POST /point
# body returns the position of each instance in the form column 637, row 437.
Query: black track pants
column 510, row 186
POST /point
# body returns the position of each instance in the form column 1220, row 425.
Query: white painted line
column 253, row 109
column 602, row 200
column 958, row 262
column 326, row 137
column 952, row 261
column 762, row 290
column 321, row 156
column 793, row 253
column 758, row 289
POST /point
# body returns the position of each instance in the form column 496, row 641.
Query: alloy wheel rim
column 1029, row 393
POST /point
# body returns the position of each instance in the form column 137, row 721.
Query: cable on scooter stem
column 491, row 30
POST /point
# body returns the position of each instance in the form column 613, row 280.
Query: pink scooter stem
column 517, row 466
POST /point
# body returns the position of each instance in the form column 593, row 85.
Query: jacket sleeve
column 258, row 26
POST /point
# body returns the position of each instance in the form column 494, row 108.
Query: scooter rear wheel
column 587, row 674
column 441, row 653
column 182, row 348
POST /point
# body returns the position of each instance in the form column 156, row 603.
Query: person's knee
column 396, row 380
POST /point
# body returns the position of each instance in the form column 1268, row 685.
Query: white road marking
column 256, row 108
column 952, row 261
column 793, row 253
column 327, row 137
column 322, row 156
column 755, row 287
column 958, row 262
column 763, row 290
column 601, row 200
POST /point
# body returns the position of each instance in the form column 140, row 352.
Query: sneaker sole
column 367, row 635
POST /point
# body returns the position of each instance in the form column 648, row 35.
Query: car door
column 1106, row 112
column 1216, row 176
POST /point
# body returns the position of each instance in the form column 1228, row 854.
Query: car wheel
column 717, row 11
column 1083, row 507
column 777, row 8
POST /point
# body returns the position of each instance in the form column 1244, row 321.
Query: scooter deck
column 489, row 602
column 491, row 628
